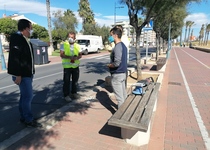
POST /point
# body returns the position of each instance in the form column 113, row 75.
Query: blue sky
column 35, row 10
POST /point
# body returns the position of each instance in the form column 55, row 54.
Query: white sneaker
column 68, row 99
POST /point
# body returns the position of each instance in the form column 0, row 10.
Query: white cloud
column 24, row 7
column 199, row 19
column 109, row 20
column 39, row 8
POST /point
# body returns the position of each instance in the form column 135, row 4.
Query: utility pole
column 50, row 49
column 115, row 11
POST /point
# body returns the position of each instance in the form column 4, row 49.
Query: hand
column 109, row 65
column 18, row 80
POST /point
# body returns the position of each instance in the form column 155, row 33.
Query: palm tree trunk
column 188, row 36
column 50, row 49
column 185, row 34
column 207, row 38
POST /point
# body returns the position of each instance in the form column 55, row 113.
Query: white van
column 89, row 43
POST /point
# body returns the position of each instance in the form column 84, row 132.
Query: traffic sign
column 149, row 26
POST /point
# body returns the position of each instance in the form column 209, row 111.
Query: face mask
column 30, row 32
column 111, row 39
column 71, row 40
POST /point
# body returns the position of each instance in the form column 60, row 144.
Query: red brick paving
column 174, row 125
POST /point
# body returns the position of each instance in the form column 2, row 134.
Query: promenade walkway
column 181, row 121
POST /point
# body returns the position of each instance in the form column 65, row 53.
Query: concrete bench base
column 135, row 137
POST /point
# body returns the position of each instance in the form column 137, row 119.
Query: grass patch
column 56, row 53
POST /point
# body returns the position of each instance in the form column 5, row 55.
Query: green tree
column 8, row 26
column 190, row 25
column 40, row 33
column 149, row 9
column 207, row 33
column 175, row 16
column 201, row 34
column 63, row 23
column 87, row 15
column 186, row 27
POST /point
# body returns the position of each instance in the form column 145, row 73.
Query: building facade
column 146, row 35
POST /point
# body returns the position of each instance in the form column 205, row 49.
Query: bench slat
column 123, row 107
column 140, row 108
column 135, row 113
column 127, row 125
column 149, row 108
column 131, row 108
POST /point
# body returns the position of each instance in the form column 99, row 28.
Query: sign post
column 3, row 64
column 149, row 27
column 169, row 42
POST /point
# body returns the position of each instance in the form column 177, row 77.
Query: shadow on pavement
column 47, row 99
column 111, row 131
column 105, row 100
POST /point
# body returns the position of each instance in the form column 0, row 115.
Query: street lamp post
column 115, row 11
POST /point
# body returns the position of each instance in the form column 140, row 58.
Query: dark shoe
column 68, row 99
column 75, row 96
column 33, row 123
column 22, row 120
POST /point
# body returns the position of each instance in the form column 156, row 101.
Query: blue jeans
column 26, row 96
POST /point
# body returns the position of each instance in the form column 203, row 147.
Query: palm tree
column 190, row 25
column 201, row 34
column 86, row 13
column 50, row 49
column 186, row 26
column 207, row 33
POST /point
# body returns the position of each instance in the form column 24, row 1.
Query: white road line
column 196, row 59
column 7, row 86
column 198, row 117
column 47, row 76
column 33, row 80
column 98, row 57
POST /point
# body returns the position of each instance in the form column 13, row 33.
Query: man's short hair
column 120, row 27
column 23, row 24
column 117, row 31
column 71, row 33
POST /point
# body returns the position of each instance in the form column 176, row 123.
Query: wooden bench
column 160, row 63
column 134, row 116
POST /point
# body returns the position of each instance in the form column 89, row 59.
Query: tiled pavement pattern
column 174, row 125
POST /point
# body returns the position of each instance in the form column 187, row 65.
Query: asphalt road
column 47, row 87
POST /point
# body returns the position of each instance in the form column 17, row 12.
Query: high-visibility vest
column 66, row 62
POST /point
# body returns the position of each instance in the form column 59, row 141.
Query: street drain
column 174, row 83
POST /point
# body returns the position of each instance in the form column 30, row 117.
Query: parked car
column 90, row 43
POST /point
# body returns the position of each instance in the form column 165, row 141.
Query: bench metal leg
column 135, row 137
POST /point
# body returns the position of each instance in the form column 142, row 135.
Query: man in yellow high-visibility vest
column 70, row 53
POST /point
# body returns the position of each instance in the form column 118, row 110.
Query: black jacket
column 21, row 58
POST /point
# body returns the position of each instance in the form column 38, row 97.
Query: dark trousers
column 73, row 75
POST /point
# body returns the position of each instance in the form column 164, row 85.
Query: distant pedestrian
column 118, row 66
column 21, row 67
column 70, row 53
